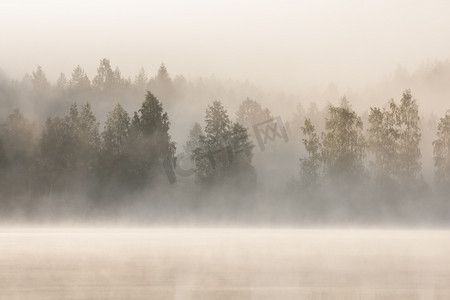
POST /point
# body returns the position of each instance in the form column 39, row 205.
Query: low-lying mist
column 168, row 150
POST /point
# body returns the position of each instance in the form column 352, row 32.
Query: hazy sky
column 282, row 43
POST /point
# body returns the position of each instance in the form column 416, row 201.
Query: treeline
column 71, row 155
column 366, row 165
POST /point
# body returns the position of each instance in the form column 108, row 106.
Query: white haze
column 284, row 45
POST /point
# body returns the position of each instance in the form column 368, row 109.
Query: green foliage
column 19, row 139
column 310, row 166
column 2, row 155
column 225, row 152
column 115, row 133
column 251, row 113
column 409, row 167
column 149, row 139
column 394, row 137
column 441, row 151
column 343, row 144
column 70, row 148
column 383, row 141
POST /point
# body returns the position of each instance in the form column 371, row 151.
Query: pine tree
column 79, row 80
column 225, row 152
column 162, row 84
column 150, row 142
column 141, row 80
column 115, row 132
column 88, row 137
column 61, row 82
column 105, row 78
column 39, row 81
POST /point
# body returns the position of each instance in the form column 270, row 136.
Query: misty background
column 293, row 58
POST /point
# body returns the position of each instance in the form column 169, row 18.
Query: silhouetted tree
column 116, row 131
column 162, row 84
column 141, row 80
column 61, row 82
column 150, row 141
column 18, row 153
column 105, row 78
column 79, row 80
column 39, row 81
column 70, row 148
column 225, row 152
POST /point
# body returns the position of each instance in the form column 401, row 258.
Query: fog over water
column 165, row 263
column 224, row 149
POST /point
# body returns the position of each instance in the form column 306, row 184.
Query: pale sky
column 284, row 44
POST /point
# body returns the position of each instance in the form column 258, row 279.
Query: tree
column 58, row 153
column 383, row 142
column 88, row 137
column 18, row 151
column 343, row 144
column 298, row 121
column 225, row 152
column 116, row 168
column 310, row 166
column 394, row 138
column 2, row 155
column 39, row 81
column 193, row 141
column 441, row 151
column 163, row 75
column 61, row 82
column 214, row 155
column 116, row 131
column 105, row 78
column 150, row 141
column 218, row 125
column 141, row 80
column 69, row 148
column 162, row 83
column 19, row 138
column 79, row 80
column 242, row 173
column 251, row 113
column 407, row 118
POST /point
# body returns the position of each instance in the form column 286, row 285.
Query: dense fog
column 160, row 148
column 310, row 112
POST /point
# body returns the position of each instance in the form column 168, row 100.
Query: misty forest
column 73, row 149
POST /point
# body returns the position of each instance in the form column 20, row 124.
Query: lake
column 223, row 263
